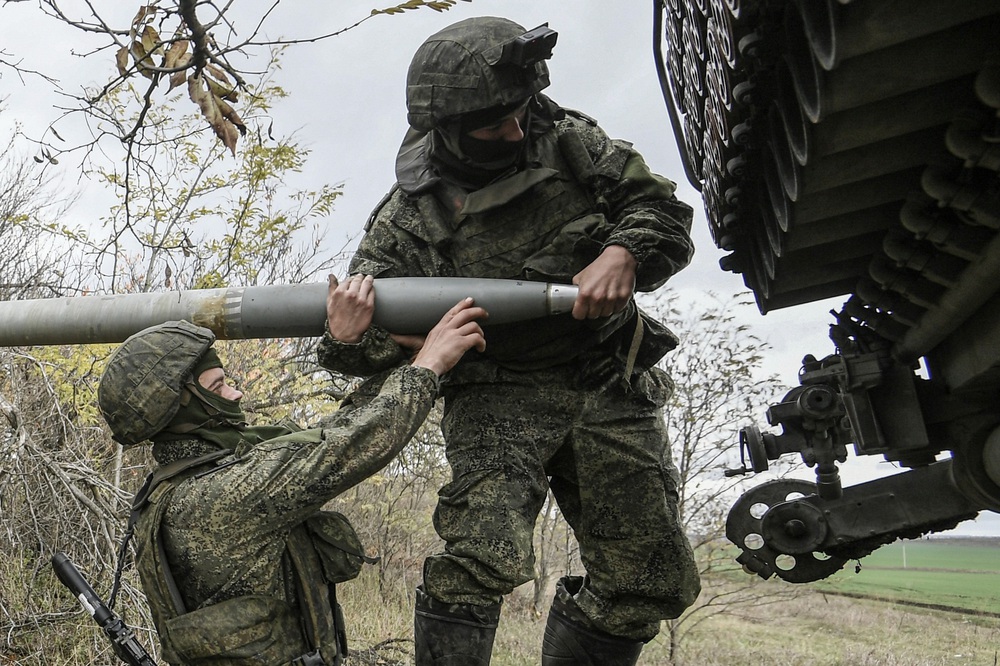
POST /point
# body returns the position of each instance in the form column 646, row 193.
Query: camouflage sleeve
column 389, row 248
column 281, row 482
column 375, row 352
column 646, row 218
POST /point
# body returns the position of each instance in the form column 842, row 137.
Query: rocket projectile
column 402, row 305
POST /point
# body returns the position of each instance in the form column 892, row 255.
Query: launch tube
column 402, row 305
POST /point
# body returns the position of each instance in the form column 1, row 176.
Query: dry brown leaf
column 201, row 96
column 151, row 42
column 230, row 114
column 217, row 72
column 178, row 77
column 139, row 17
column 142, row 60
column 121, row 60
column 221, row 91
column 210, row 109
column 231, row 136
column 174, row 54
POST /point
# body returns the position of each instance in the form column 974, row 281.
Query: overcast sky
column 347, row 105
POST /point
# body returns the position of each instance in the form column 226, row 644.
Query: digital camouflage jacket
column 575, row 192
column 246, row 539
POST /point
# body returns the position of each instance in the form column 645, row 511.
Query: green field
column 955, row 573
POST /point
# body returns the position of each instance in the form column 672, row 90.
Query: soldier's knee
column 468, row 579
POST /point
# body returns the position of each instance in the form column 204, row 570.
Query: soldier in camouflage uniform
column 495, row 180
column 236, row 557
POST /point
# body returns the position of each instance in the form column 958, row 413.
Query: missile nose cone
column 561, row 298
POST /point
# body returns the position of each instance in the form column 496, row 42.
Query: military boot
column 453, row 634
column 569, row 641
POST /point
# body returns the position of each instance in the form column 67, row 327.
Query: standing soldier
column 495, row 180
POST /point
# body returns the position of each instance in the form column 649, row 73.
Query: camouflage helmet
column 465, row 67
column 141, row 388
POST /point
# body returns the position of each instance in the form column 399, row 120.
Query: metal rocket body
column 402, row 305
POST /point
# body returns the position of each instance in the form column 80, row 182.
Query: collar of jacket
column 416, row 172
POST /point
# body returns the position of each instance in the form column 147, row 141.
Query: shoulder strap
column 318, row 602
column 378, row 208
column 154, row 479
column 169, row 471
column 577, row 156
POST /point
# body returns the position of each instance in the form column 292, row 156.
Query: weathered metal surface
column 402, row 305
column 852, row 148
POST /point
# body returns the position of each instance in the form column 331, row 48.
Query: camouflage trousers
column 603, row 450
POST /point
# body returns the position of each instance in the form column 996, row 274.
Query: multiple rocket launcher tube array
column 402, row 305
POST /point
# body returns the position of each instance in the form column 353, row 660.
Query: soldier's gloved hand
column 349, row 307
column 456, row 333
column 606, row 285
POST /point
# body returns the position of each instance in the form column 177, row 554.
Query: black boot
column 453, row 634
column 569, row 642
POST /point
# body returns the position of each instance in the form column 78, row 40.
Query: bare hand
column 411, row 343
column 606, row 285
column 455, row 334
column 349, row 307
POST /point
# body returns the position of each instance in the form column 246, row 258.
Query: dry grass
column 814, row 630
column 811, row 630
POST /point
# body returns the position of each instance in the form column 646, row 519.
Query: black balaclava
column 493, row 153
column 472, row 162
column 425, row 159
